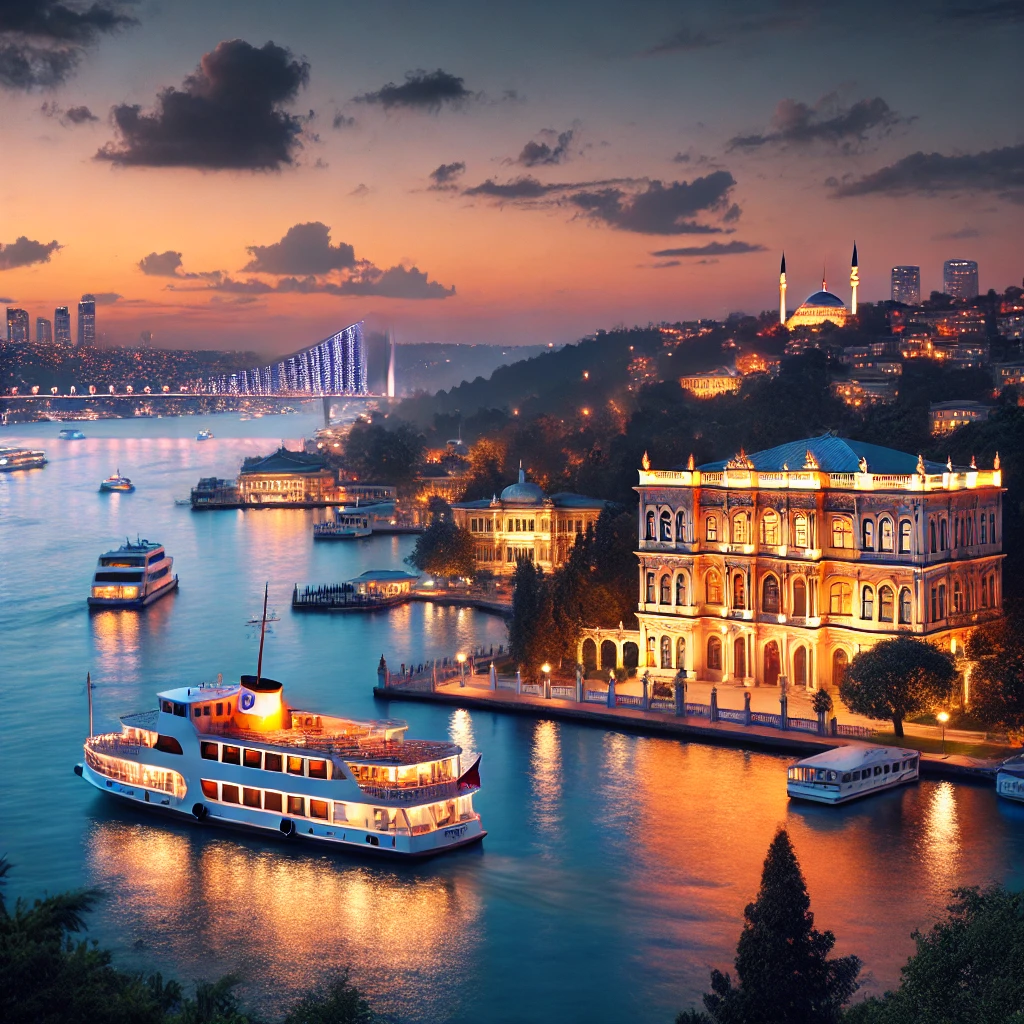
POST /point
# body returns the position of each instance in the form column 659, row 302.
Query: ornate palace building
column 787, row 562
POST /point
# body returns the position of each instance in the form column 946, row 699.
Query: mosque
column 822, row 307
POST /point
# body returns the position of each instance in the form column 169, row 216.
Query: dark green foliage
column 997, row 673
column 336, row 1002
column 969, row 969
column 784, row 974
column 897, row 679
column 821, row 702
column 444, row 549
column 531, row 638
column 379, row 455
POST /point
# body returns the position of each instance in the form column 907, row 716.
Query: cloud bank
column 421, row 90
column 23, row 252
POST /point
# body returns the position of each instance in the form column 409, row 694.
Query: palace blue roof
column 833, row 455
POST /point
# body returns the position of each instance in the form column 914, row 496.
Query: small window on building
column 231, row 755
column 272, row 762
column 868, row 535
column 253, row 758
column 209, row 788
column 885, row 534
column 318, row 809
column 209, row 751
column 842, row 532
column 867, row 603
column 272, row 801
column 295, row 765
column 229, row 794
column 317, row 769
column 297, row 805
column 711, row 528
column 251, row 797
column 800, row 530
column 905, row 528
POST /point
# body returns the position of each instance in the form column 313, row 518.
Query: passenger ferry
column 71, row 434
column 847, row 773
column 133, row 576
column 204, row 435
column 117, row 483
column 346, row 525
column 240, row 756
column 13, row 459
column 1010, row 778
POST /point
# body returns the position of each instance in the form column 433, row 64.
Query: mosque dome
column 522, row 492
column 820, row 308
column 824, row 299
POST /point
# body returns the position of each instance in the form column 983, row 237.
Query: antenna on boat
column 88, row 690
column 263, row 631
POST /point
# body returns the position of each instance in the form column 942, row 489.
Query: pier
column 351, row 596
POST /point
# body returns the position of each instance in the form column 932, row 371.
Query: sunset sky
column 256, row 174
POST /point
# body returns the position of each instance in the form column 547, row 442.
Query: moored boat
column 13, row 459
column 204, row 435
column 346, row 525
column 1010, row 779
column 133, row 576
column 71, row 434
column 117, row 483
column 850, row 772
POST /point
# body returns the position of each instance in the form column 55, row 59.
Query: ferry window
column 272, row 801
column 229, row 794
column 206, row 710
column 231, row 755
column 885, row 768
column 209, row 751
column 318, row 809
column 295, row 766
column 209, row 789
column 317, row 769
column 179, row 710
column 832, row 776
column 912, row 763
column 229, row 707
column 297, row 805
column 340, row 813
column 167, row 707
column 168, row 744
column 251, row 797
column 197, row 711
column 272, row 762
column 878, row 770
column 846, row 777
column 896, row 767
column 220, row 708
column 855, row 776
column 252, row 758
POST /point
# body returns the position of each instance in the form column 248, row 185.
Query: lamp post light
column 943, row 717
column 461, row 659
column 546, row 669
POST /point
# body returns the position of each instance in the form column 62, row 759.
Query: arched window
column 799, row 597
column 867, row 602
column 650, row 588
column 868, row 535
column 651, row 644
column 931, row 533
column 800, row 666
column 958, row 596
column 681, row 652
column 739, row 657
column 770, row 528
column 666, row 526
column 650, row 535
column 842, row 532
column 714, row 653
column 666, row 589
column 680, row 526
column 711, row 528
column 713, row 587
column 942, row 601
column 992, row 590
column 800, row 538
column 984, row 534
column 906, row 608
column 943, row 534
column 666, row 652
column 840, row 599
column 885, row 602
column 681, row 594
column 770, row 601
column 741, row 528
column 840, row 662
column 905, row 529
column 739, row 591
column 885, row 534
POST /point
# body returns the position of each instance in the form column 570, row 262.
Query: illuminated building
column 286, row 476
column 949, row 416
column 960, row 278
column 62, row 326
column 17, row 325
column 906, row 285
column 334, row 366
column 87, row 322
column 754, row 362
column 823, row 307
column 524, row 522
column 783, row 565
column 722, row 381
column 44, row 331
column 878, row 388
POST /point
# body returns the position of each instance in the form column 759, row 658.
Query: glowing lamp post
column 546, row 669
column 943, row 717
column 461, row 659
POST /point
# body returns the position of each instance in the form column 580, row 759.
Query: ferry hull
column 1010, row 787
column 138, row 602
column 359, row 842
column 800, row 791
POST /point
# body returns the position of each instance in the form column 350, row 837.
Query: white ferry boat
column 1010, row 779
column 133, row 576
column 850, row 772
column 204, row 435
column 241, row 756
column 346, row 525
column 117, row 483
column 71, row 434
column 13, row 459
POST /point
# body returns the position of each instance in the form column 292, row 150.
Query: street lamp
column 461, row 659
column 546, row 669
column 943, row 717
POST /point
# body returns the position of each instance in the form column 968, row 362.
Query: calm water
column 616, row 869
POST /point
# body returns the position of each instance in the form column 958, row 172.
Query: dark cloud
column 6, row 300
column 956, row 236
column 360, row 191
column 998, row 171
column 526, row 187
column 711, row 249
column 70, row 117
column 394, row 283
column 343, row 121
column 23, row 252
column 545, row 152
column 999, row 12
column 161, row 264
column 796, row 123
column 421, row 90
column 444, row 177
column 304, row 249
column 226, row 116
column 106, row 298
column 43, row 41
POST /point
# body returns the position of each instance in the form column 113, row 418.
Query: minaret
column 782, row 291
column 854, row 280
column 391, row 364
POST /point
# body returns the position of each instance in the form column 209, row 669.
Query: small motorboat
column 71, row 434
column 118, row 483
column 183, row 501
column 1010, row 778
column 204, row 435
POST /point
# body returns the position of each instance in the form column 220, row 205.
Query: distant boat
column 258, row 619
column 117, row 483
column 182, row 501
column 204, row 435
column 1010, row 779
column 13, row 459
column 71, row 434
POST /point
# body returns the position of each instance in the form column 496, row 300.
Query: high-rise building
column 17, row 325
column 906, row 285
column 87, row 321
column 960, row 278
column 44, row 331
column 62, row 325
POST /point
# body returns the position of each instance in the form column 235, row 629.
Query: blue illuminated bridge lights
column 335, row 366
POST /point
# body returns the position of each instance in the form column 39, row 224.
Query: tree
column 336, row 1002
column 377, row 454
column 444, row 549
column 997, row 673
column 784, row 974
column 968, row 968
column 821, row 702
column 530, row 630
column 898, row 678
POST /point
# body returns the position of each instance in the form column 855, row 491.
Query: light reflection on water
column 616, row 867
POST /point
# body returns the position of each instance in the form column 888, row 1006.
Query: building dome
column 820, row 308
column 824, row 299
column 522, row 492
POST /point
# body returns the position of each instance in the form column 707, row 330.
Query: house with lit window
column 782, row 565
column 525, row 522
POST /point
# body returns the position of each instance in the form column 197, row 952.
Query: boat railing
column 414, row 794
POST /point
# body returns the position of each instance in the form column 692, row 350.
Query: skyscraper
column 960, row 278
column 44, row 331
column 62, row 325
column 906, row 285
column 17, row 325
column 87, row 321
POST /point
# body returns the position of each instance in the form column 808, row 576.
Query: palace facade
column 782, row 565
